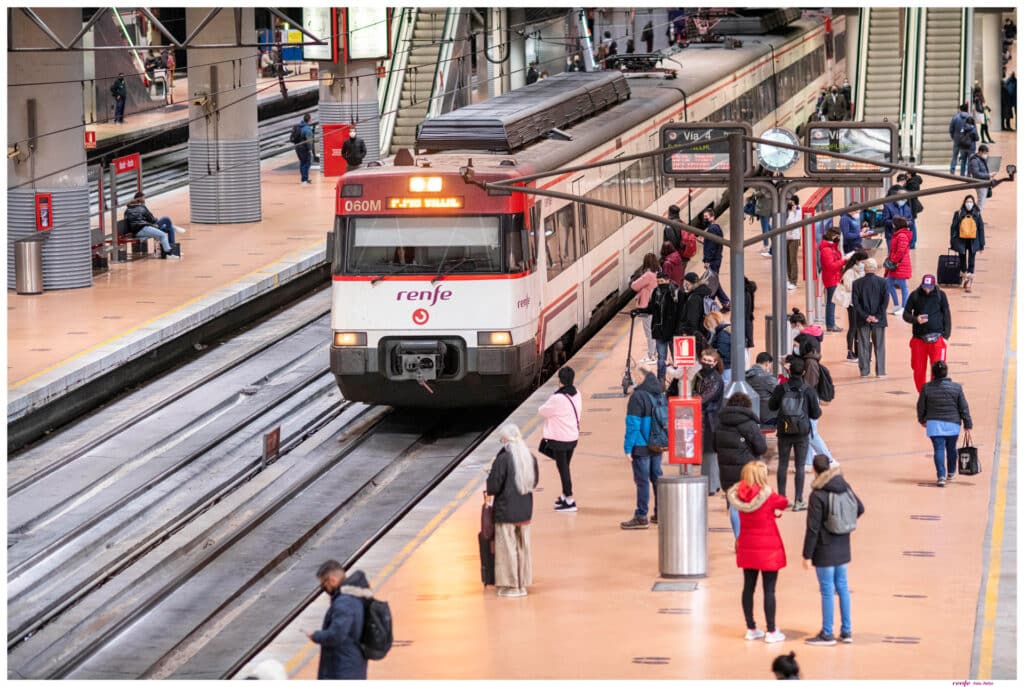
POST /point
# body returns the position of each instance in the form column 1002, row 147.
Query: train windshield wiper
column 458, row 263
column 400, row 269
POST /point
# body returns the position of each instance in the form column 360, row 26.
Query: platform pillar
column 54, row 161
column 351, row 99
column 988, row 60
column 223, row 136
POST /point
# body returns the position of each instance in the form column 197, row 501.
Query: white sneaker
column 754, row 634
column 766, row 254
column 773, row 637
column 897, row 311
column 791, row 286
column 647, row 360
column 179, row 230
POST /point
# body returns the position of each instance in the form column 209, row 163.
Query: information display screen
column 321, row 22
column 875, row 142
column 708, row 158
column 368, row 32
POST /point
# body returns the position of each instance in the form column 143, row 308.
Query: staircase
column 884, row 66
column 942, row 81
column 419, row 76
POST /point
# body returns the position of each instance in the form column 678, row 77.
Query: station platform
column 60, row 340
column 933, row 575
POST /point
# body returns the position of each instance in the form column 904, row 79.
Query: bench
column 127, row 247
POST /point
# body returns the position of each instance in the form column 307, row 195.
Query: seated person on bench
column 141, row 223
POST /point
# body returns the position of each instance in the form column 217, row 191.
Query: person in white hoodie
column 843, row 297
column 561, row 433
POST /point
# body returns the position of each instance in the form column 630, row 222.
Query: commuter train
column 446, row 295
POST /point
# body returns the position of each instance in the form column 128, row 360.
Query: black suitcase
column 486, row 559
column 948, row 271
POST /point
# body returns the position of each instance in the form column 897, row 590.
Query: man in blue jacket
column 713, row 254
column 304, row 148
column 341, row 657
column 646, row 464
column 901, row 208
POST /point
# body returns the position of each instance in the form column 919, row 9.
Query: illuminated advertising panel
column 320, row 22
column 367, row 33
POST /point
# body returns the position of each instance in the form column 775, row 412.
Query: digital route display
column 709, row 158
column 874, row 141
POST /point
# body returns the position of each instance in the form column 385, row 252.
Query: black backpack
column 793, row 417
column 377, row 636
column 296, row 135
column 826, row 388
column 672, row 235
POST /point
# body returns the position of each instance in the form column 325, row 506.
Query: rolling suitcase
column 948, row 271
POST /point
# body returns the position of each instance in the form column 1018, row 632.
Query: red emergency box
column 335, row 136
column 684, row 431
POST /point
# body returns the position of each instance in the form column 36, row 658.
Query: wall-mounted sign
column 128, row 163
column 367, row 32
column 322, row 22
column 90, row 139
column 875, row 141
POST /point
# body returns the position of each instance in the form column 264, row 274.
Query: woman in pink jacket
column 561, row 432
column 644, row 286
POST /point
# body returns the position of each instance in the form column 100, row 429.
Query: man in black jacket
column 354, row 150
column 119, row 91
column 738, row 440
column 663, row 311
column 341, row 657
column 713, row 254
column 670, row 233
column 927, row 310
column 140, row 222
column 829, row 552
column 797, row 404
column 870, row 300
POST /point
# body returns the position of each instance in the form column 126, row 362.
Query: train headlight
column 422, row 184
column 494, row 338
column 349, row 338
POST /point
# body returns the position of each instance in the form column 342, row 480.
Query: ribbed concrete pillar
column 988, row 61
column 353, row 100
column 223, row 146
column 56, row 165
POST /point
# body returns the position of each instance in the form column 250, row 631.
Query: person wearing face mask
column 690, row 318
column 967, row 239
column 836, row 107
column 708, row 385
column 793, row 214
column 663, row 309
column 713, row 254
column 853, row 269
column 928, row 311
column 912, row 182
column 831, row 273
column 847, row 91
column 977, row 168
column 853, row 232
column 898, row 267
column 900, row 208
column 340, row 655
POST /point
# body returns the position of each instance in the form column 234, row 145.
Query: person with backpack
column 353, row 150
column 759, row 547
column 928, row 311
column 797, row 403
column 897, row 214
column 510, row 486
column 763, row 380
column 831, row 273
column 977, row 168
column 662, row 308
column 817, row 377
column 119, row 91
column 561, row 432
column 674, row 260
column 738, row 441
column 672, row 234
column 967, row 238
column 966, row 140
column 720, row 338
column 853, row 269
column 713, row 254
column 644, row 286
column 708, row 385
column 912, row 181
column 898, row 265
column 302, row 138
column 870, row 300
column 941, row 408
column 957, row 132
column 646, row 438
column 341, row 654
column 831, row 517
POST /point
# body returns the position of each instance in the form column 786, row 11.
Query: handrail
column 917, row 143
column 444, row 63
column 966, row 39
column 862, row 62
column 389, row 91
column 908, row 82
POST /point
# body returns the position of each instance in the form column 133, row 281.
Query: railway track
column 151, row 540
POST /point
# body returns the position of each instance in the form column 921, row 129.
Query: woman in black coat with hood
column 738, row 440
column 967, row 248
column 709, row 386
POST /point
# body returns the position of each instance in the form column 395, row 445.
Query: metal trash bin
column 683, row 526
column 28, row 265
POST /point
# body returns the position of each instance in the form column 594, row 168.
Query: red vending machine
column 684, row 432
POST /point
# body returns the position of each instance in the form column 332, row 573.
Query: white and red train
column 447, row 296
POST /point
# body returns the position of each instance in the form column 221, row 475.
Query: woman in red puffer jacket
column 759, row 547
column 831, row 274
column 899, row 253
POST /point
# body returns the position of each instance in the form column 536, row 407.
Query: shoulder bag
column 546, row 446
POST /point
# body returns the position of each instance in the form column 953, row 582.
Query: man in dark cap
column 141, row 223
column 927, row 310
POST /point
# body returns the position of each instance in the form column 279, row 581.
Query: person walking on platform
column 561, row 413
column 708, row 385
column 341, row 658
column 928, row 311
column 853, row 269
column 510, row 484
column 898, row 266
column 738, row 441
column 959, row 135
column 831, row 517
column 647, row 36
column 762, row 380
column 302, row 137
column 797, row 403
column 977, row 168
column 644, row 286
column 119, row 91
column 967, row 238
column 141, row 223
column 662, row 308
column 713, row 255
column 719, row 329
column 646, row 461
column 759, row 547
column 835, row 107
column 870, row 300
column 941, row 408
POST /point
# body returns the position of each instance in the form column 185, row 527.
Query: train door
column 584, row 304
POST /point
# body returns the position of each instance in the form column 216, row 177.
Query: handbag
column 989, row 194
column 547, row 446
column 487, row 519
column 889, row 265
column 967, row 457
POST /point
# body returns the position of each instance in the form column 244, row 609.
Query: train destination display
column 709, row 158
column 875, row 142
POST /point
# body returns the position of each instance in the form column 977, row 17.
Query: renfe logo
column 426, row 296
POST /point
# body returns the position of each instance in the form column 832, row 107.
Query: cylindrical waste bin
column 28, row 265
column 683, row 526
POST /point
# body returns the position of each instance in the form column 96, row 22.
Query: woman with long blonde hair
column 511, row 483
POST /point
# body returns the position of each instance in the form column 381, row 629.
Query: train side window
column 584, row 231
column 560, row 240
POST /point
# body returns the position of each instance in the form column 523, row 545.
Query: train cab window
column 516, row 247
column 560, row 240
column 424, row 245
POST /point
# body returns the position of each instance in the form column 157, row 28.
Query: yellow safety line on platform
column 999, row 513
column 154, row 319
column 297, row 662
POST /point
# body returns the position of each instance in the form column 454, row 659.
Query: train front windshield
column 428, row 245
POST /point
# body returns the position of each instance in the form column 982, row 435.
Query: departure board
column 875, row 142
column 709, row 158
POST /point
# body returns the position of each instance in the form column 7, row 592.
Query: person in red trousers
column 927, row 310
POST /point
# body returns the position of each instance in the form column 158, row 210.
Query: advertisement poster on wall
column 367, row 30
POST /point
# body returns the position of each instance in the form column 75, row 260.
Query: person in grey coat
column 941, row 408
column 762, row 380
column 870, row 299
column 341, row 657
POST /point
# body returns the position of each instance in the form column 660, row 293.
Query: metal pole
column 810, row 273
column 779, row 282
column 114, row 254
column 737, row 160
